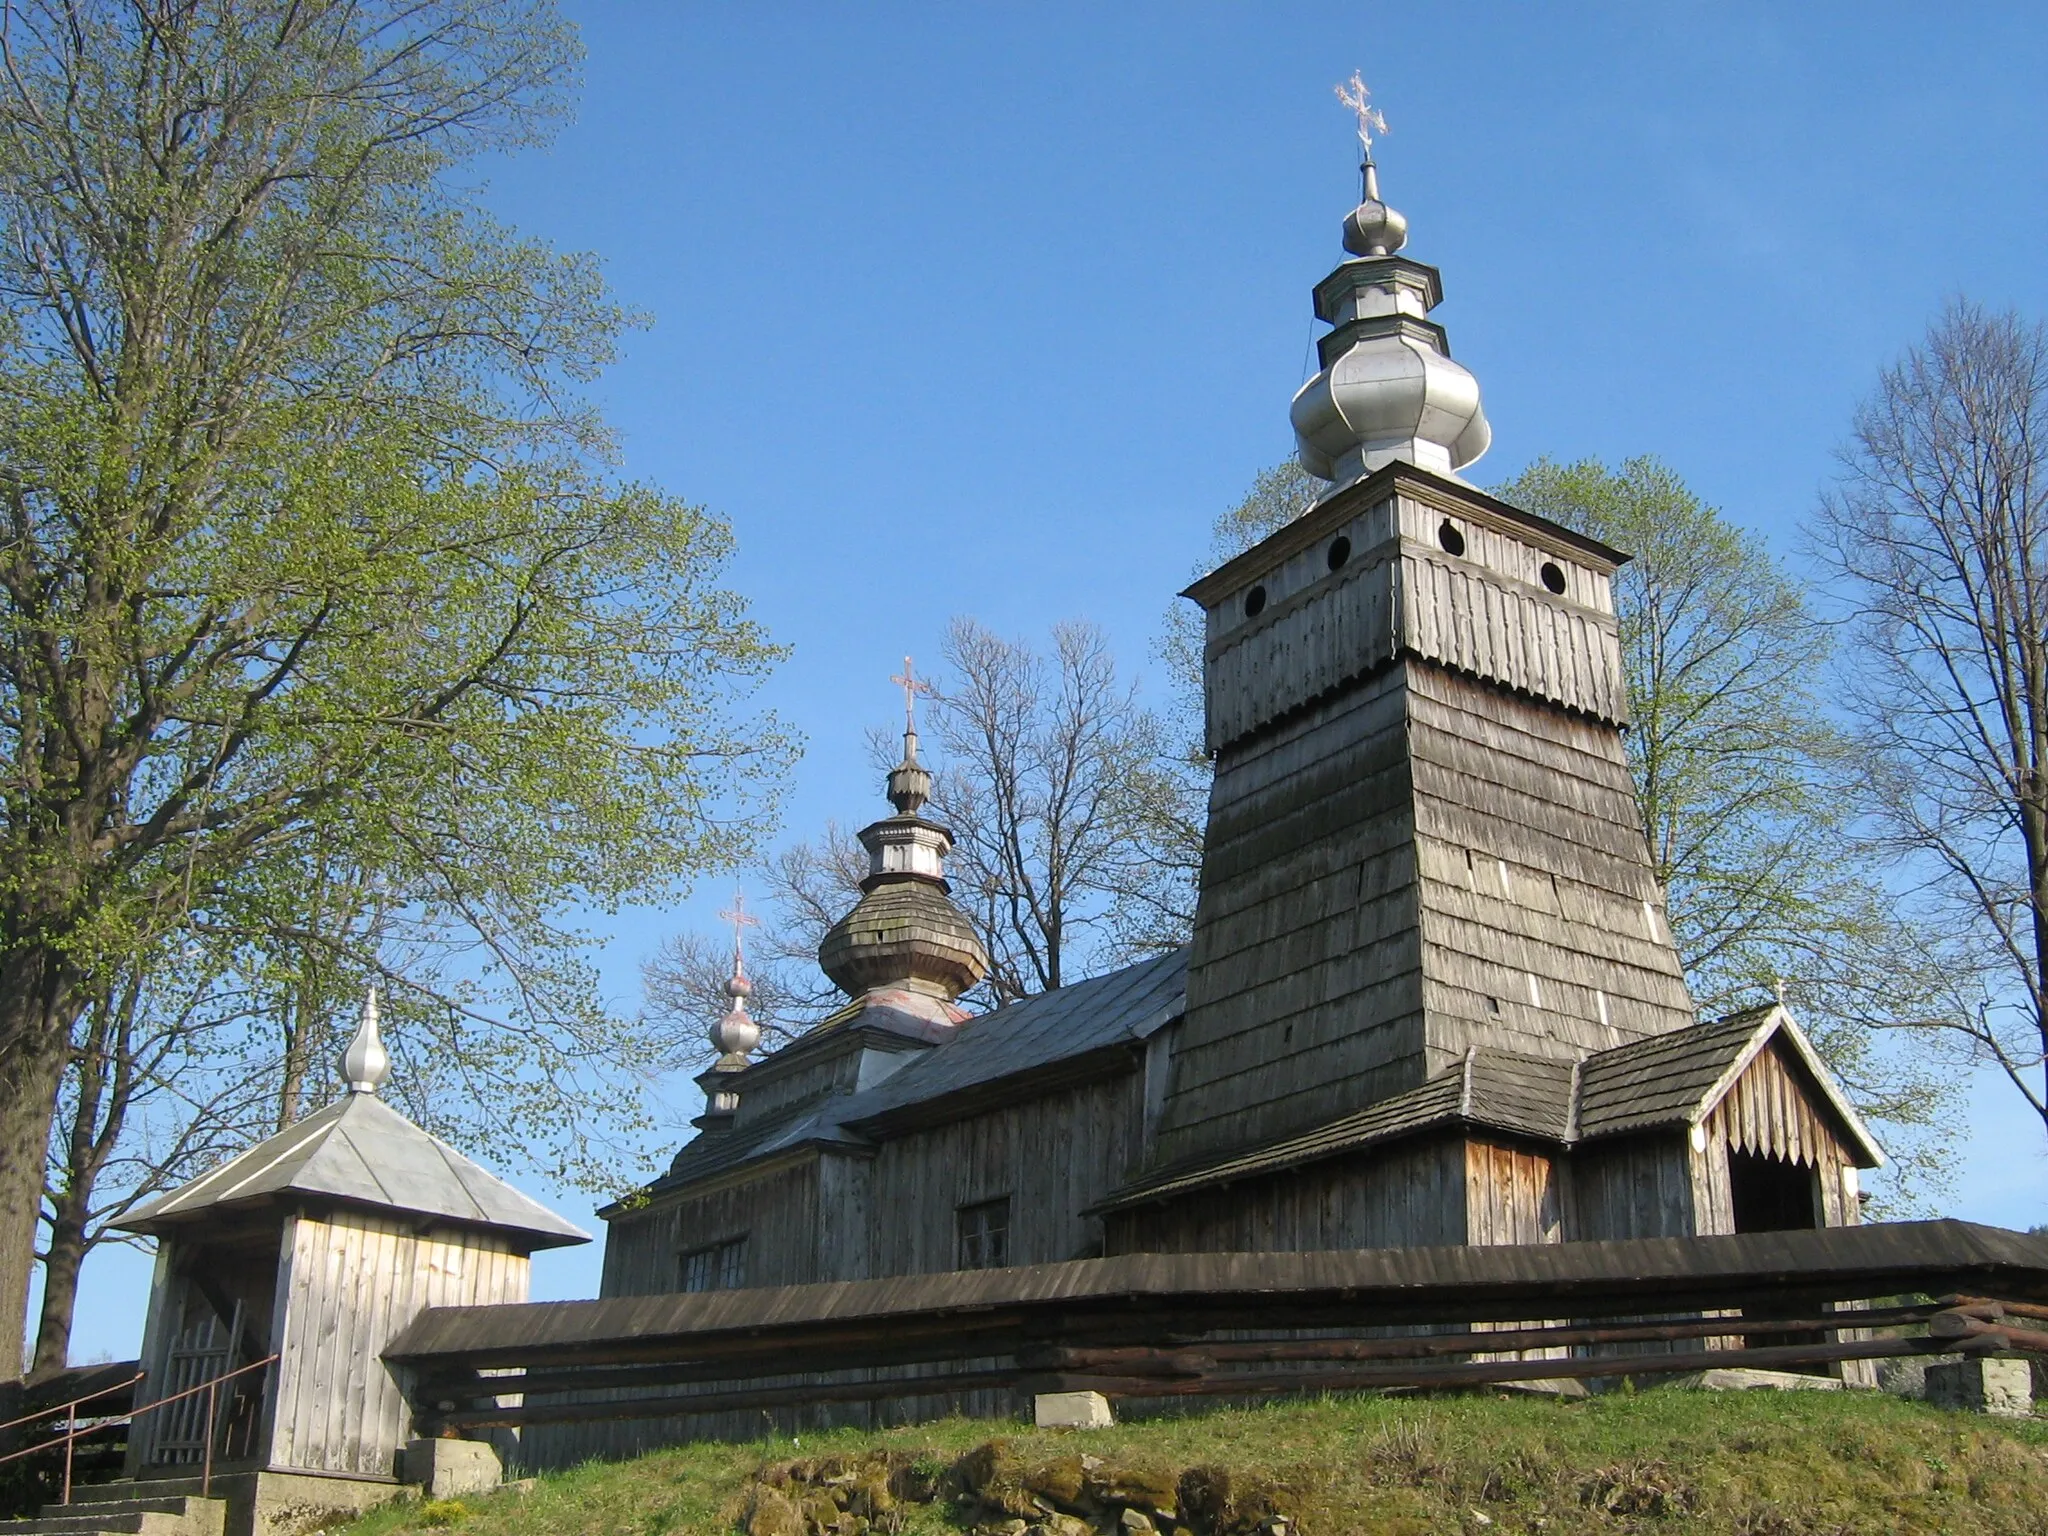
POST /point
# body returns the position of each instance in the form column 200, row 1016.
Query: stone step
column 166, row 1515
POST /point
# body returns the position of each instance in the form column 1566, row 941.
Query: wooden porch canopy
column 1139, row 1298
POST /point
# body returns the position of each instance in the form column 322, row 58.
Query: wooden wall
column 1512, row 1195
column 1408, row 1195
column 775, row 1210
column 347, row 1285
column 1632, row 1186
column 1052, row 1156
column 1770, row 1111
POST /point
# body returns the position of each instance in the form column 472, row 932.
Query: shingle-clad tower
column 1423, row 836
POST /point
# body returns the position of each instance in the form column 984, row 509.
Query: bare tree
column 1050, row 782
column 1057, row 786
column 1938, row 530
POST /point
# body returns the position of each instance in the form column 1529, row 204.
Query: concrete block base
column 1072, row 1410
column 1742, row 1379
column 2001, row 1387
column 447, row 1469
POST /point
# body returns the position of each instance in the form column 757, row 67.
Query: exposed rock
column 771, row 1512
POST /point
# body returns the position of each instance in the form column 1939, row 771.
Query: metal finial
column 366, row 1065
column 909, row 784
column 1372, row 228
column 734, row 1035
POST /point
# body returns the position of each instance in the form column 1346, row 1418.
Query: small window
column 985, row 1234
column 1453, row 541
column 1255, row 602
column 718, row 1267
column 1553, row 577
column 1340, row 552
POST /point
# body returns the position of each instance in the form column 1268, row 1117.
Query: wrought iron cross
column 912, row 685
column 741, row 920
column 1354, row 94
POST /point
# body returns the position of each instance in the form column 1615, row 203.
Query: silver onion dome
column 736, row 1034
column 1387, row 388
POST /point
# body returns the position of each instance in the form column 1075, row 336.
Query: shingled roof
column 1496, row 1090
column 1681, row 1078
column 1042, row 1042
column 359, row 1151
column 1666, row 1082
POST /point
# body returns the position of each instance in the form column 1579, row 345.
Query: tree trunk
column 36, row 1014
column 62, row 1260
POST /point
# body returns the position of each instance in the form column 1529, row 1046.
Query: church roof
column 1039, row 1043
column 1053, row 1030
column 361, row 1151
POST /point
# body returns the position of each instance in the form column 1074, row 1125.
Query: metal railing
column 69, row 1414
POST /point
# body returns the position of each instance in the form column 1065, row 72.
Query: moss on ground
column 1754, row 1464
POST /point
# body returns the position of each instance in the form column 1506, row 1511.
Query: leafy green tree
column 307, row 540
column 1746, row 784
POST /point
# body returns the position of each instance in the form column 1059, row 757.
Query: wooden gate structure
column 1152, row 1326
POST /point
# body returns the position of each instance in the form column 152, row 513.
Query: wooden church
column 1431, row 996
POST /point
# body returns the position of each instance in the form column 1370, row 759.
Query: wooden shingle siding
column 1304, row 996
column 776, row 1211
column 1532, row 865
column 1484, row 613
column 353, row 1282
column 1465, row 618
column 1418, row 866
column 1403, row 1196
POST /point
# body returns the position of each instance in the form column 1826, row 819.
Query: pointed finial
column 1372, row 228
column 366, row 1065
column 909, row 784
column 736, row 1034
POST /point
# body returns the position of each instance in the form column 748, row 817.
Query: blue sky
column 967, row 309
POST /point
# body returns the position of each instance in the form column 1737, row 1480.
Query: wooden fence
column 1157, row 1326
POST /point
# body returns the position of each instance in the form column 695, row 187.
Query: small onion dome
column 1372, row 228
column 735, row 1035
column 904, row 932
column 910, row 783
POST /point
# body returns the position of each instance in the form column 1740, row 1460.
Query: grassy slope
column 1757, row 1464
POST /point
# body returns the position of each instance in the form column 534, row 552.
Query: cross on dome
column 1355, row 94
column 741, row 920
column 912, row 685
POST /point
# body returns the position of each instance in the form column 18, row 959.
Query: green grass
column 1756, row 1464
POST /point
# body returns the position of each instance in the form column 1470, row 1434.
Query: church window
column 1453, row 541
column 1553, row 577
column 985, row 1234
column 718, row 1267
column 1340, row 552
column 1255, row 602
